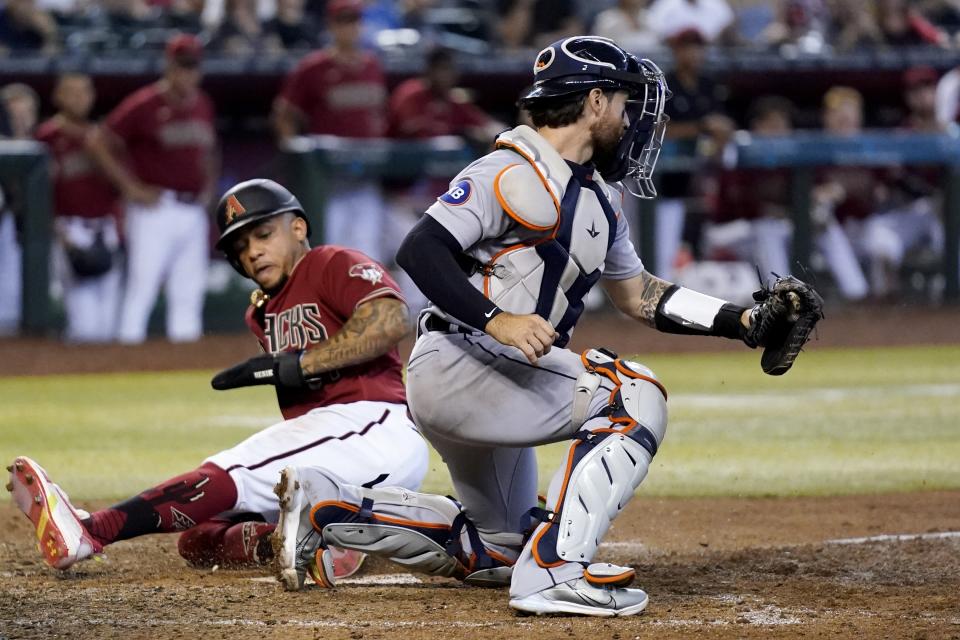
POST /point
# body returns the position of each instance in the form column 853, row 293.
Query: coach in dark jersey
column 329, row 319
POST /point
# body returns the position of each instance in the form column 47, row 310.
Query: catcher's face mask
column 639, row 148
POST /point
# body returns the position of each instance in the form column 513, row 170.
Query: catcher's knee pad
column 606, row 464
column 423, row 532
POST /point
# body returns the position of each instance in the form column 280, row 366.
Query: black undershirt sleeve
column 433, row 259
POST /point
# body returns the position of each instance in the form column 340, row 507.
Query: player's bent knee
column 638, row 403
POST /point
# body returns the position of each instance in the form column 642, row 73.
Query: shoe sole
column 541, row 607
column 284, row 545
column 44, row 504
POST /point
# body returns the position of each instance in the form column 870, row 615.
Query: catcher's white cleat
column 61, row 538
column 579, row 597
column 297, row 550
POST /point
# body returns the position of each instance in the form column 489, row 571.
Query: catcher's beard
column 606, row 135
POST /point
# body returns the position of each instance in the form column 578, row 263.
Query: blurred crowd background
column 137, row 162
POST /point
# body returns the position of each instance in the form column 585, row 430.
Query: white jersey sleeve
column 622, row 261
column 469, row 210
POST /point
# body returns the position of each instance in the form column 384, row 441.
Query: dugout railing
column 311, row 165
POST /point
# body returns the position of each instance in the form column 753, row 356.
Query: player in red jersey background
column 340, row 91
column 329, row 320
column 86, row 208
column 159, row 147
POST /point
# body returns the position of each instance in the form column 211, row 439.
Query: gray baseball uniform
column 482, row 404
column 533, row 233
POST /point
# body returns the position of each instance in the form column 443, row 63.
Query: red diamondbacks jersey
column 339, row 99
column 79, row 187
column 168, row 144
column 321, row 294
column 416, row 112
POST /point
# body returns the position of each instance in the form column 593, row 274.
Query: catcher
column 328, row 320
column 506, row 257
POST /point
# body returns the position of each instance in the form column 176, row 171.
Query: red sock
column 227, row 543
column 176, row 505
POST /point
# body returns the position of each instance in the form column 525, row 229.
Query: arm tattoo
column 653, row 290
column 374, row 328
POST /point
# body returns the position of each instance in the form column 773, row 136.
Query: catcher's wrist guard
column 686, row 311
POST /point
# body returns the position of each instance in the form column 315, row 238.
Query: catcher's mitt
column 782, row 321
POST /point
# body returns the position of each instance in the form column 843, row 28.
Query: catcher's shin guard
column 423, row 532
column 605, row 464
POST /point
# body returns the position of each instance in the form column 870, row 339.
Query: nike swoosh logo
column 489, row 313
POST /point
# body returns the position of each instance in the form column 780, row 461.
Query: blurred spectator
column 852, row 26
column 432, row 105
column 536, row 23
column 948, row 98
column 843, row 196
column 166, row 132
column 801, row 24
column 906, row 217
column 184, row 15
column 943, row 13
column 291, row 27
column 128, row 14
column 18, row 105
column 26, row 27
column 752, row 212
column 698, row 126
column 713, row 19
column 214, row 12
column 340, row 91
column 62, row 10
column 241, row 34
column 920, row 98
column 901, row 25
column 86, row 258
column 626, row 23
column 754, row 17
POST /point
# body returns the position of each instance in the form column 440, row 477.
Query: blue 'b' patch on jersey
column 458, row 194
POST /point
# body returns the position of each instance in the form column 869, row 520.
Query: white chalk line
column 896, row 537
column 246, row 622
column 378, row 579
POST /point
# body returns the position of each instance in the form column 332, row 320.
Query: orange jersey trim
column 377, row 517
column 563, row 491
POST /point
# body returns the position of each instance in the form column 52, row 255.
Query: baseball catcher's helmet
column 576, row 65
column 248, row 203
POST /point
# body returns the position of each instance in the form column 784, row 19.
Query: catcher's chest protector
column 571, row 223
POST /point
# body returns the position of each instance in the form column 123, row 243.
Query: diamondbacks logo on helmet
column 368, row 271
column 234, row 208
